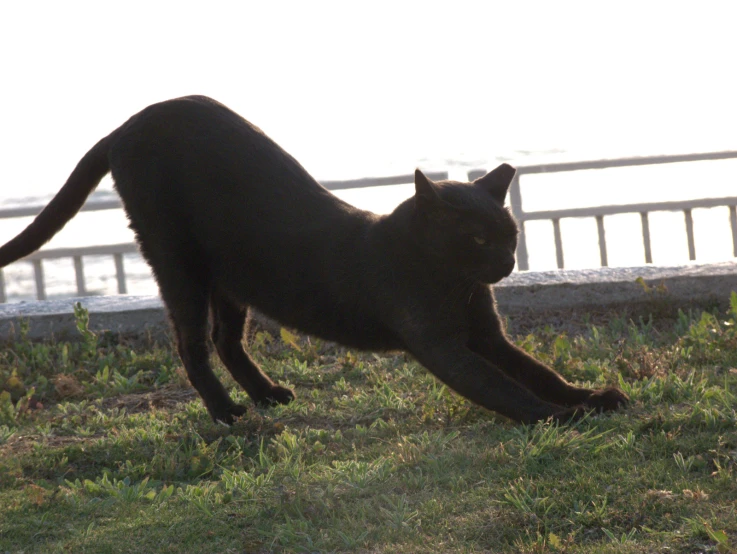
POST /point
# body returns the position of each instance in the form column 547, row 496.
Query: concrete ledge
column 670, row 288
column 124, row 315
column 697, row 285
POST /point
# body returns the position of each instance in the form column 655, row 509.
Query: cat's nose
column 508, row 266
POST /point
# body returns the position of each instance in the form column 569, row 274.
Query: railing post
column 689, row 235
column 79, row 274
column 646, row 237
column 3, row 296
column 120, row 273
column 558, row 244
column 733, row 224
column 602, row 240
column 515, row 202
column 38, row 274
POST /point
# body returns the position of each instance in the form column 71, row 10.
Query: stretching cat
column 228, row 220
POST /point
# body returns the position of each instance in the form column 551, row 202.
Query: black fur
column 228, row 220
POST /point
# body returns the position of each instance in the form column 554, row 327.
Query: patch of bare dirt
column 166, row 397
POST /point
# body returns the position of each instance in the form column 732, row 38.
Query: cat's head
column 465, row 226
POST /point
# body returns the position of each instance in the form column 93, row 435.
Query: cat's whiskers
column 457, row 293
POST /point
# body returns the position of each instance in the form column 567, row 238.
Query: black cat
column 228, row 220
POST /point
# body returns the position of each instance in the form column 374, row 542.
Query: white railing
column 598, row 212
column 118, row 250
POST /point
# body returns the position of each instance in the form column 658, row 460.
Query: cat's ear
column 497, row 181
column 424, row 189
column 426, row 197
column 428, row 201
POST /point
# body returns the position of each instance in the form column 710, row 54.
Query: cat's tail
column 64, row 206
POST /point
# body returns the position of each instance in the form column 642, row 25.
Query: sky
column 359, row 88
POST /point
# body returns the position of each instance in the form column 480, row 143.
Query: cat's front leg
column 543, row 381
column 488, row 339
column 474, row 377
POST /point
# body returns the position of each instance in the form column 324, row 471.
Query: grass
column 105, row 448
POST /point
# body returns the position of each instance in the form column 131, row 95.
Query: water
column 712, row 233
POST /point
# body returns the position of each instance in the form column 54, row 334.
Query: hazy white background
column 356, row 89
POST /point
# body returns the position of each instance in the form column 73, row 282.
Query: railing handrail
column 625, row 162
column 381, row 181
column 93, row 204
column 98, row 250
column 615, row 209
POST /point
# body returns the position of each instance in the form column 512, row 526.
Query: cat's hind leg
column 184, row 288
column 180, row 270
column 187, row 307
column 228, row 323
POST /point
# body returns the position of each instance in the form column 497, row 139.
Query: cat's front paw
column 606, row 400
column 277, row 395
column 570, row 415
column 228, row 414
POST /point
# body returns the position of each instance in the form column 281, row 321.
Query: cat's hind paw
column 606, row 400
column 228, row 414
column 277, row 395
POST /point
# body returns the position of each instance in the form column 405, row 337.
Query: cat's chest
column 345, row 319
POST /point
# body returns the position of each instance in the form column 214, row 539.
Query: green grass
column 105, row 448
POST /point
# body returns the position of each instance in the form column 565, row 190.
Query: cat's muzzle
column 497, row 273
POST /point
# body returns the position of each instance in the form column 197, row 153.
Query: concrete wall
column 521, row 293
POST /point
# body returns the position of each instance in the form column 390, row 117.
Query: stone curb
column 694, row 285
column 126, row 315
column 667, row 288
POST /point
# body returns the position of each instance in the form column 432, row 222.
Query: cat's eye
column 479, row 240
